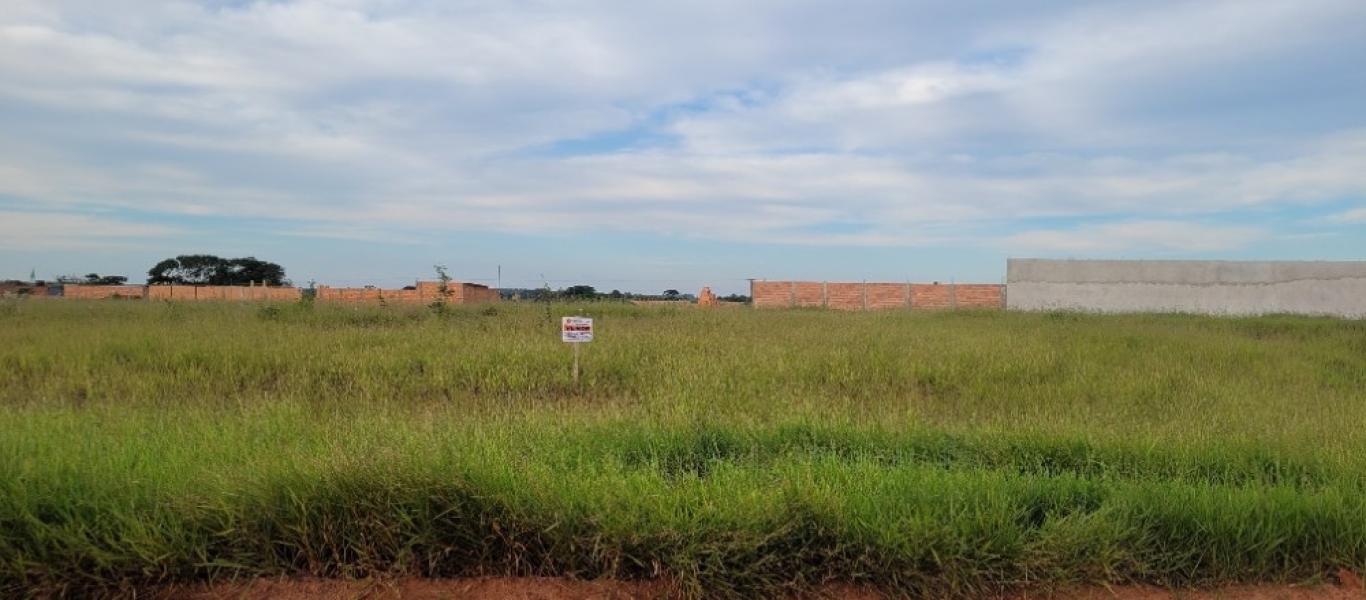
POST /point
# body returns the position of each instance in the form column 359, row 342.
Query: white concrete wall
column 1189, row 286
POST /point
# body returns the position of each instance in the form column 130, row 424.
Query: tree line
column 197, row 269
column 207, row 269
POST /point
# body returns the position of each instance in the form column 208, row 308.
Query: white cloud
column 885, row 125
column 1144, row 236
column 1353, row 216
column 62, row 231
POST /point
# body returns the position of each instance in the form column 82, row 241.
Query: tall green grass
column 738, row 452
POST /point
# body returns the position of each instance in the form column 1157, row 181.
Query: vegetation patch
column 733, row 452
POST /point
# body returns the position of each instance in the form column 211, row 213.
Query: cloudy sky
column 643, row 145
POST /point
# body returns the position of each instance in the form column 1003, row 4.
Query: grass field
column 738, row 452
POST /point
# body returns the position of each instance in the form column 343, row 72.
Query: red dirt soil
column 548, row 588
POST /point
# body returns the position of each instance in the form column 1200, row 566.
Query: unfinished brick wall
column 974, row 295
column 426, row 292
column 101, row 292
column 875, row 296
column 706, row 297
column 226, row 293
column 473, row 293
column 770, row 294
column 933, row 296
column 883, row 296
column 366, row 295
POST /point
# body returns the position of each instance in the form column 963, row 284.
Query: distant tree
column 187, row 269
column 735, row 298
column 616, row 295
column 207, row 269
column 671, row 294
column 96, row 279
column 92, row 279
column 243, row 271
column 543, row 294
column 579, row 292
column 443, row 290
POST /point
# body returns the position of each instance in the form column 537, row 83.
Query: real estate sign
column 576, row 330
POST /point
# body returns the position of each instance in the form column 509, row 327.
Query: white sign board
column 575, row 330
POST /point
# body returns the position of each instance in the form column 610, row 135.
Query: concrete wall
column 1190, row 286
column 875, row 296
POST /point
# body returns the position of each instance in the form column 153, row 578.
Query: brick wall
column 363, row 295
column 426, row 292
column 975, row 295
column 26, row 290
column 225, row 293
column 472, row 293
column 770, row 294
column 883, row 296
column 875, row 296
column 100, row 292
column 932, row 296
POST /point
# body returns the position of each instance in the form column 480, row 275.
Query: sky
column 650, row 145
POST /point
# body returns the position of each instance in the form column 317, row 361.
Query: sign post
column 575, row 331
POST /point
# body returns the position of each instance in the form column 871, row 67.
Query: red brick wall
column 875, row 296
column 808, row 293
column 887, row 295
column 958, row 295
column 426, row 293
column 471, row 293
column 844, row 296
column 367, row 295
column 99, row 292
column 979, row 295
column 932, row 295
column 771, row 294
column 223, row 293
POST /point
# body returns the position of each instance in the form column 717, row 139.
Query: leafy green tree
column 93, row 279
column 243, row 271
column 187, row 269
column 97, row 279
column 579, row 292
column 207, row 269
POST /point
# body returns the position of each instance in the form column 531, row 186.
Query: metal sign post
column 575, row 331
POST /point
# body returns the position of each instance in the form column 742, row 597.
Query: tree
column 579, row 292
column 92, row 279
column 443, row 290
column 244, row 271
column 187, row 269
column 207, row 269
column 96, row 279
